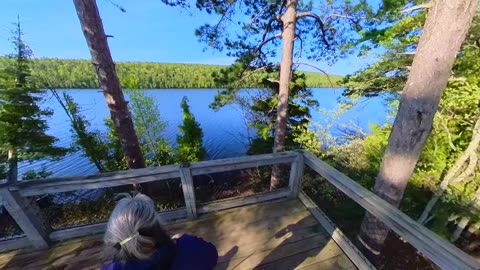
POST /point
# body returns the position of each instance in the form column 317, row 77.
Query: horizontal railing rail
column 15, row 192
column 441, row 252
column 139, row 176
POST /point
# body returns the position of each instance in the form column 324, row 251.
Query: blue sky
column 148, row 31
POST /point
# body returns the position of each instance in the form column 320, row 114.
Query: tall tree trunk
column 443, row 33
column 92, row 28
column 289, row 21
column 453, row 174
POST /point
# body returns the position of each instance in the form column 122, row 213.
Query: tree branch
column 259, row 47
column 243, row 78
column 317, row 68
column 422, row 6
column 267, row 29
column 472, row 165
column 224, row 16
column 320, row 24
column 301, row 45
column 117, row 6
column 449, row 135
column 408, row 53
column 280, row 11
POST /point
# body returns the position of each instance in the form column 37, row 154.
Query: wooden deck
column 273, row 235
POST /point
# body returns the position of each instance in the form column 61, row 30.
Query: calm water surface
column 225, row 132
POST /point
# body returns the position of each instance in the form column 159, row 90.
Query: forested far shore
column 69, row 73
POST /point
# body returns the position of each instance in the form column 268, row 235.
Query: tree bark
column 94, row 33
column 289, row 21
column 445, row 28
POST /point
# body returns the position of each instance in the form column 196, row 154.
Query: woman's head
column 134, row 229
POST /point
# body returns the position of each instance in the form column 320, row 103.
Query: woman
column 135, row 239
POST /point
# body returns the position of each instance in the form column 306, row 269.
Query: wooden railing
column 438, row 250
column 14, row 195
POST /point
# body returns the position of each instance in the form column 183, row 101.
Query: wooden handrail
column 441, row 252
column 138, row 176
column 185, row 172
column 238, row 163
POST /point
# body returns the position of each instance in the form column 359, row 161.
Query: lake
column 225, row 131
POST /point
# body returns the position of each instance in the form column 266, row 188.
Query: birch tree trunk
column 94, row 33
column 445, row 28
column 289, row 21
column 470, row 155
column 462, row 224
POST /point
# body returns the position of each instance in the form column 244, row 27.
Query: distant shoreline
column 173, row 88
column 80, row 74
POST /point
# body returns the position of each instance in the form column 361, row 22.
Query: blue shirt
column 189, row 253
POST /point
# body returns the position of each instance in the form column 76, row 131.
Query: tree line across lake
column 69, row 73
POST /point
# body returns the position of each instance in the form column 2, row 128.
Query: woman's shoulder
column 192, row 244
column 193, row 251
column 162, row 259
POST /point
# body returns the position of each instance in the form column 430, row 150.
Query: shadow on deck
column 271, row 235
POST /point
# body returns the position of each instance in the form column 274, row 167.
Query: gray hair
column 134, row 230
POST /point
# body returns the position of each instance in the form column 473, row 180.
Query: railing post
column 188, row 190
column 17, row 206
column 12, row 167
column 12, row 172
column 296, row 175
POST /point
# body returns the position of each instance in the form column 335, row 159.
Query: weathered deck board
column 276, row 235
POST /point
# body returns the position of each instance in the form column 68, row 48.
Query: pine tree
column 92, row 28
column 22, row 122
column 150, row 129
column 190, row 143
column 317, row 30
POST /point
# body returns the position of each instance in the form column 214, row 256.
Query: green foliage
column 34, row 175
column 452, row 128
column 390, row 72
column 150, row 127
column 256, row 25
column 116, row 160
column 260, row 105
column 190, row 141
column 23, row 123
column 84, row 138
column 318, row 136
column 104, row 149
column 258, row 28
column 262, row 111
column 66, row 74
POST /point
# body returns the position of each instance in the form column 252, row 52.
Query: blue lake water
column 225, row 131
